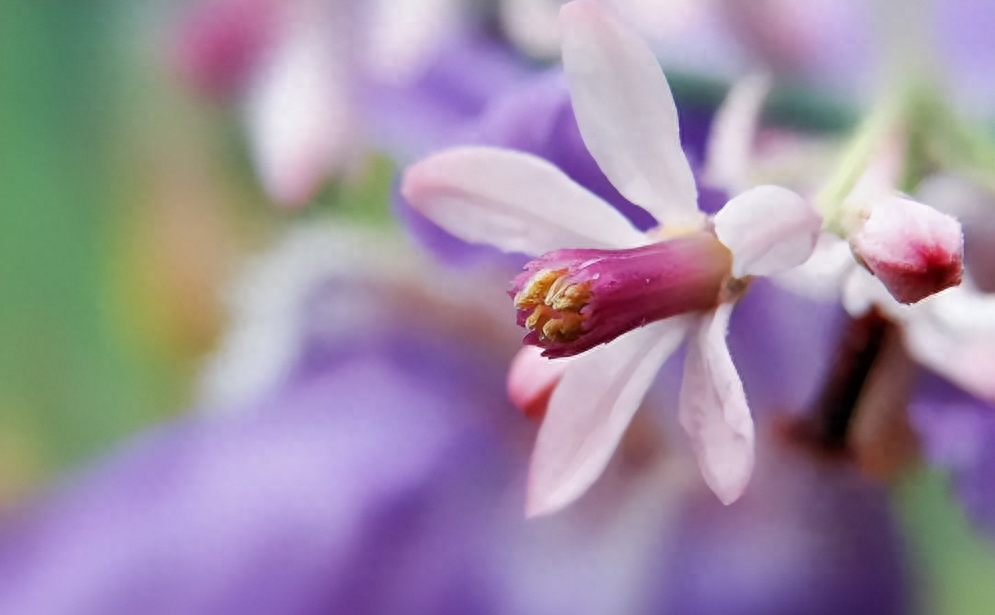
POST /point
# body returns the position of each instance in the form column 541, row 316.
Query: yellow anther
column 572, row 298
column 538, row 318
column 565, row 328
column 535, row 291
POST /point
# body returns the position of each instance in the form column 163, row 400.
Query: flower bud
column 915, row 250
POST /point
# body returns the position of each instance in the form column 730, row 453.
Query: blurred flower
column 308, row 75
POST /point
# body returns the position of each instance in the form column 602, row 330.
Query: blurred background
column 129, row 203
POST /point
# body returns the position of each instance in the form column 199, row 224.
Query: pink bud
column 221, row 40
column 915, row 250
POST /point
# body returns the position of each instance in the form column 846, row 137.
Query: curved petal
column 730, row 139
column 769, row 229
column 713, row 409
column 591, row 409
column 532, row 379
column 626, row 113
column 512, row 200
column 953, row 334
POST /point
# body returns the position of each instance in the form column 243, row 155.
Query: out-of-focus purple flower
column 834, row 511
column 957, row 432
column 382, row 474
column 849, row 45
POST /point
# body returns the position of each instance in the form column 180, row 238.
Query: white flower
column 521, row 203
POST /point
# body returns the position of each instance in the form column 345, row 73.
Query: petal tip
column 729, row 491
column 543, row 501
column 579, row 10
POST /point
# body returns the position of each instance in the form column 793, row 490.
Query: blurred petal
column 532, row 378
column 731, row 139
column 768, row 229
column 954, row 335
column 713, row 409
column 220, row 42
column 299, row 113
column 590, row 411
column 405, row 33
column 515, row 201
column 627, row 114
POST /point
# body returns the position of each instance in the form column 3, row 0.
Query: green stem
column 856, row 157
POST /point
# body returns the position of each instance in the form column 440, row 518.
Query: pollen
column 535, row 291
column 554, row 305
column 566, row 327
column 572, row 297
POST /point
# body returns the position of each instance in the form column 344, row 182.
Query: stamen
column 557, row 314
column 537, row 288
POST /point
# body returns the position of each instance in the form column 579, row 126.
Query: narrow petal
column 731, row 137
column 512, row 200
column 590, row 411
column 626, row 113
column 713, row 409
column 769, row 229
column 299, row 114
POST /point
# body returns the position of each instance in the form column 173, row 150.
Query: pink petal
column 512, row 200
column 590, row 411
column 713, row 409
column 299, row 113
column 532, row 378
column 626, row 113
column 730, row 140
column 769, row 229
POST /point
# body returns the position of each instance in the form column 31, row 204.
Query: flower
column 381, row 474
column 521, row 203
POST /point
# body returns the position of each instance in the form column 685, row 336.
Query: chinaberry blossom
column 624, row 298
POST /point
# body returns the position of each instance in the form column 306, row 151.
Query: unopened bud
column 915, row 250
